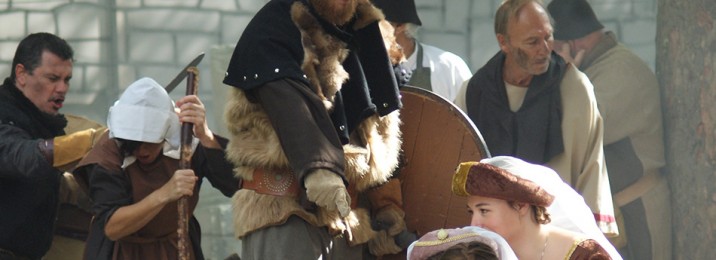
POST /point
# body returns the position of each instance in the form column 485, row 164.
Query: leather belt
column 281, row 182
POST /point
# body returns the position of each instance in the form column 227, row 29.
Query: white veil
column 502, row 248
column 568, row 211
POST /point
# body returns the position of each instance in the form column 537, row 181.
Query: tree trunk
column 686, row 60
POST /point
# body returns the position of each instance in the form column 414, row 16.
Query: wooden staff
column 192, row 83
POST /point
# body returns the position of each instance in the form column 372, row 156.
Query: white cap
column 144, row 113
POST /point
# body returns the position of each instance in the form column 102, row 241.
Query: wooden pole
column 185, row 163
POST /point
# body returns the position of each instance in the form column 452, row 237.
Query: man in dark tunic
column 34, row 144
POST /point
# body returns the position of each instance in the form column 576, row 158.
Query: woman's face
column 147, row 153
column 493, row 214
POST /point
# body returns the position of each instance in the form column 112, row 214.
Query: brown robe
column 112, row 187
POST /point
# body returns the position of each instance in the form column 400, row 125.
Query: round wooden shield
column 437, row 136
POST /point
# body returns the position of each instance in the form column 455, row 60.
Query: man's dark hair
column 29, row 51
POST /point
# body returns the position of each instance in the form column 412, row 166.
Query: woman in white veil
column 567, row 209
column 436, row 245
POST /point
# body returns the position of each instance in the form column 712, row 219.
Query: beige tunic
column 628, row 95
column 582, row 163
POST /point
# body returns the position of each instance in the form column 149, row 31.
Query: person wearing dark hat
column 633, row 131
column 432, row 68
column 538, row 214
column 529, row 103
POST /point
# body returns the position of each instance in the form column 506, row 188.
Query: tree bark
column 685, row 63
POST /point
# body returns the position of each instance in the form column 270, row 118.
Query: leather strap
column 273, row 182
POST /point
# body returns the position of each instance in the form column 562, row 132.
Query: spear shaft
column 185, row 163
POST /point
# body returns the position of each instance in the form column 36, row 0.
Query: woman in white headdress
column 134, row 177
column 461, row 243
column 539, row 215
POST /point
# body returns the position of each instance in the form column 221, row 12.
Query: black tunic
column 29, row 185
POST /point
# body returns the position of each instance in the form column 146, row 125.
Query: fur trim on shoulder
column 323, row 55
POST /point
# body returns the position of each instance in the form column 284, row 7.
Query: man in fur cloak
column 313, row 117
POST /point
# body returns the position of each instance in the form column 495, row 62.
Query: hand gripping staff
column 192, row 82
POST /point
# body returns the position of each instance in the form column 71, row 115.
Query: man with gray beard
column 529, row 103
column 315, row 137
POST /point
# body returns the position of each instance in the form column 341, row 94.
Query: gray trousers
column 296, row 239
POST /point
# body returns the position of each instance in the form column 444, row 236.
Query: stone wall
column 119, row 41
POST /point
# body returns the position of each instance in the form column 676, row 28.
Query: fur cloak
column 371, row 153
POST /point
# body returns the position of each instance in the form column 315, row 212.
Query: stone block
column 126, row 74
column 642, row 31
column 456, row 16
column 161, row 74
column 96, row 78
column 7, row 52
column 433, row 19
column 146, row 47
column 452, row 42
column 232, row 26
column 17, row 19
column 128, row 3
column 483, row 44
column 172, row 3
column 484, row 9
column 645, row 8
column 612, row 9
column 191, row 44
column 38, row 5
column 172, row 19
column 429, row 4
column 89, row 51
column 81, row 21
column 223, row 5
column 41, row 22
column 251, row 5
column 5, row 69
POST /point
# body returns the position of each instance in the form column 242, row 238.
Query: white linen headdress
column 145, row 113
column 440, row 240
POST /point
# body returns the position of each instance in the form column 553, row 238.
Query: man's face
column 529, row 40
column 48, row 84
column 337, row 12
